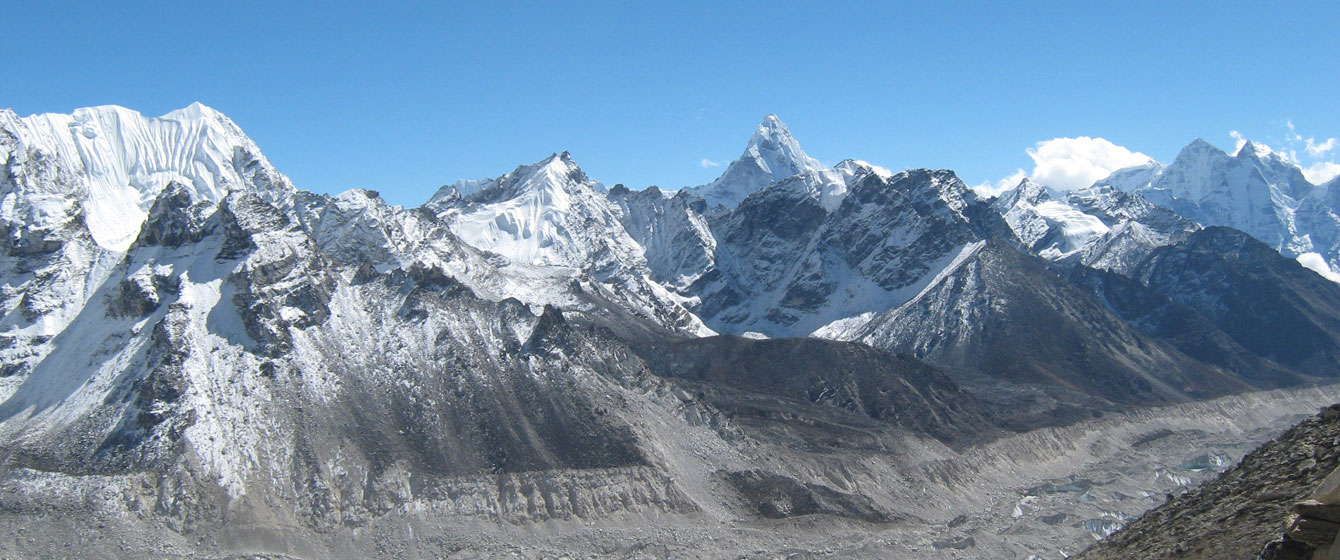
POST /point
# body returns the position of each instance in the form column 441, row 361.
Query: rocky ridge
column 1242, row 513
column 259, row 369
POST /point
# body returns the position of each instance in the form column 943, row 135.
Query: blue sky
column 403, row 97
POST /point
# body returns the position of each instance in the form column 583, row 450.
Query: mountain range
column 190, row 342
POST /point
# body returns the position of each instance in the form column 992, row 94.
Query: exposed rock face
column 674, row 233
column 175, row 219
column 1006, row 314
column 1241, row 512
column 1269, row 304
column 1182, row 327
column 787, row 266
column 855, row 378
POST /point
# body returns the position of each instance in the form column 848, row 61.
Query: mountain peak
column 1254, row 150
column 772, row 154
column 120, row 160
column 561, row 167
column 1200, row 145
column 773, row 146
column 1032, row 190
column 1198, row 151
column 196, row 110
column 1027, row 192
column 546, row 178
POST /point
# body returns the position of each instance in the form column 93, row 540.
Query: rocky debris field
column 1238, row 514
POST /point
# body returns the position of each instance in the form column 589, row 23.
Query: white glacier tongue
column 772, row 155
column 115, row 162
column 1051, row 228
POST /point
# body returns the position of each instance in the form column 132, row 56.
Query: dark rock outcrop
column 1238, row 514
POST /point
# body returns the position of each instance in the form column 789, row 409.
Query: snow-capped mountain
column 113, row 162
column 788, row 266
column 771, row 156
column 201, row 357
column 562, row 236
column 674, row 233
column 1099, row 226
column 1135, row 228
column 546, row 214
column 1256, row 190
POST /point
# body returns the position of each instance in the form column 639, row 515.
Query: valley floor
column 1044, row 494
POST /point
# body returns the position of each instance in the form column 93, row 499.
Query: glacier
column 209, row 361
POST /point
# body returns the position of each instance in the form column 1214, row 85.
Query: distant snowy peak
column 1026, row 191
column 850, row 169
column 1131, row 179
column 776, row 150
column 1259, row 151
column 772, row 155
column 115, row 162
column 547, row 214
column 1201, row 168
column 554, row 175
column 1256, row 190
column 1277, row 169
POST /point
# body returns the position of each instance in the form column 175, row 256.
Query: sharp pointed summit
column 1256, row 190
column 1200, row 144
column 772, row 154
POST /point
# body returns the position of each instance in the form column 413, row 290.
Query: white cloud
column 709, row 163
column 1321, row 172
column 988, row 189
column 1315, row 159
column 1317, row 263
column 1318, row 150
column 1238, row 139
column 1072, row 163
